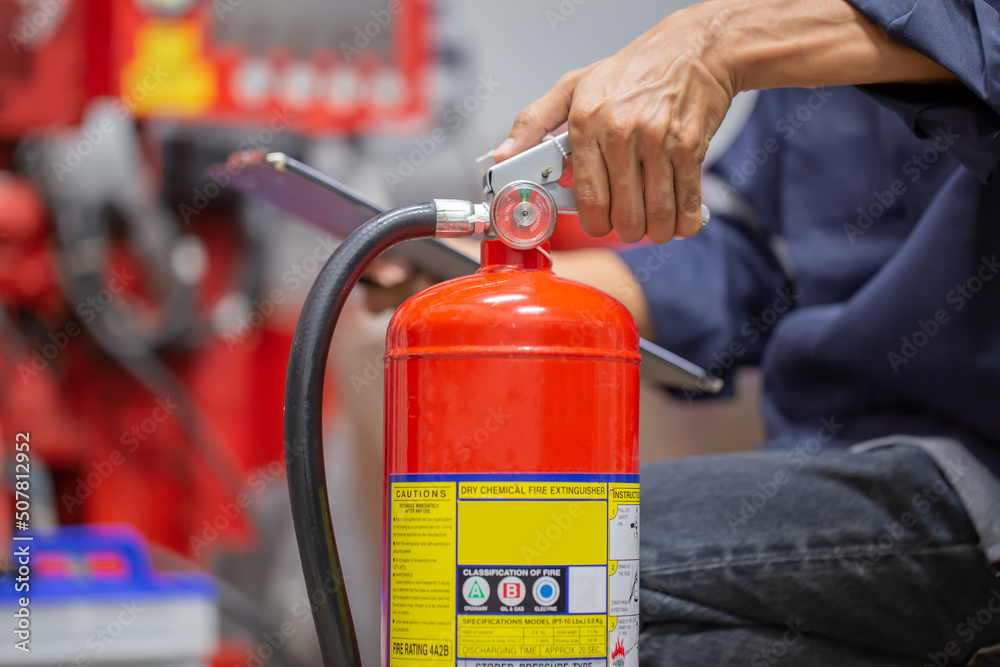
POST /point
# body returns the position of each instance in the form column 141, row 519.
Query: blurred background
column 147, row 309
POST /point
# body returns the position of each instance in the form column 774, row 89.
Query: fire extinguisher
column 511, row 501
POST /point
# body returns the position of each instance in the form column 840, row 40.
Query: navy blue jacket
column 858, row 257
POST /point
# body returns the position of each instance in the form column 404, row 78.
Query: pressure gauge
column 523, row 215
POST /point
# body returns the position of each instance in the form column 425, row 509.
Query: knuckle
column 661, row 229
column 580, row 127
column 661, row 215
column 527, row 117
column 568, row 79
column 688, row 144
column 691, row 204
column 653, row 131
column 629, row 226
column 618, row 129
column 583, row 113
column 588, row 197
column 659, row 212
column 624, row 220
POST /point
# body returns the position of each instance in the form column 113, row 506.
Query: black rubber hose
column 304, row 421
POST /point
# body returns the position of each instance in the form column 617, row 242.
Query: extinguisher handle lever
column 550, row 165
column 544, row 164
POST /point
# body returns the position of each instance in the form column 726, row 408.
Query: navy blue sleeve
column 964, row 37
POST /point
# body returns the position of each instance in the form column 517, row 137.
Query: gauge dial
column 523, row 215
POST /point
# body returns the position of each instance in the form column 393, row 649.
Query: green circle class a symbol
column 476, row 591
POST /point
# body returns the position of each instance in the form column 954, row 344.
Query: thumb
column 540, row 117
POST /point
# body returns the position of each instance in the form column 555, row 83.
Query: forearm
column 808, row 43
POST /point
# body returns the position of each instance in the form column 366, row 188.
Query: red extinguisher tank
column 511, row 451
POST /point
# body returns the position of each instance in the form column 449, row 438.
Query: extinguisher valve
column 523, row 214
column 457, row 218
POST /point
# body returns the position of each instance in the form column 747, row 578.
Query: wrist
column 726, row 50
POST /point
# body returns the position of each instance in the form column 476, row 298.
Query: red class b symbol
column 512, row 591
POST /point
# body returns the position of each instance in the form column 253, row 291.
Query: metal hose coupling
column 458, row 218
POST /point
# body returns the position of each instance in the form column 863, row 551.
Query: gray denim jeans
column 816, row 559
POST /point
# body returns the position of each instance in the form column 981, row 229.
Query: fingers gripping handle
column 549, row 164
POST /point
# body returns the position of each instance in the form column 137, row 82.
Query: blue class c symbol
column 545, row 591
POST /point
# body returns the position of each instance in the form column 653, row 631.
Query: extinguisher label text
column 507, row 569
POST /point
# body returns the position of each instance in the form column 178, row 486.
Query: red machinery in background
column 45, row 80
column 348, row 67
column 141, row 411
column 104, row 422
column 343, row 67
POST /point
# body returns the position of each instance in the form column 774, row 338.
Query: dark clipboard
column 300, row 190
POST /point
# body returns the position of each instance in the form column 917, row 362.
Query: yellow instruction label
column 625, row 494
column 422, row 573
column 532, row 637
column 534, row 570
column 533, row 532
column 525, row 490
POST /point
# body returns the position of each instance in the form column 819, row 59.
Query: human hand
column 639, row 127
column 646, row 114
